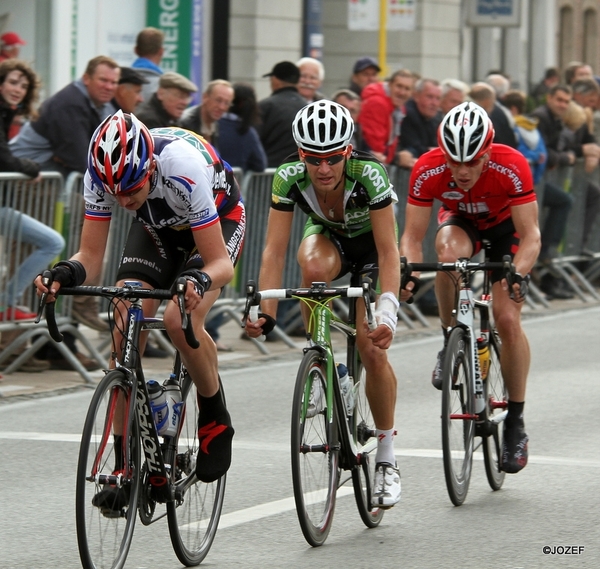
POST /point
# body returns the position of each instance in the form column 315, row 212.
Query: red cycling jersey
column 505, row 181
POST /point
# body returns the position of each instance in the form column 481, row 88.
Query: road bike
column 146, row 468
column 329, row 439
column 474, row 398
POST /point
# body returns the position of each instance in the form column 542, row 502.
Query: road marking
column 282, row 448
column 273, row 508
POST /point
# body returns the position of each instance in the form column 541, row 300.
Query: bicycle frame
column 317, row 298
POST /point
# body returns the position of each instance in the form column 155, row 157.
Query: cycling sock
column 214, row 436
column 118, row 446
column 385, row 446
column 515, row 413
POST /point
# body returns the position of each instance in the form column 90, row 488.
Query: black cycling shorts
column 503, row 238
column 358, row 254
column 158, row 256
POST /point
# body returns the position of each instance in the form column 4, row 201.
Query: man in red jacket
column 382, row 112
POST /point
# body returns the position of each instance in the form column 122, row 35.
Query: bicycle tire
column 363, row 429
column 458, row 426
column 497, row 400
column 315, row 454
column 193, row 520
column 104, row 534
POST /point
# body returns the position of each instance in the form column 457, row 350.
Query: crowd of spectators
column 396, row 119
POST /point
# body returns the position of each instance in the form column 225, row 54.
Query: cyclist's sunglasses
column 329, row 159
column 470, row 164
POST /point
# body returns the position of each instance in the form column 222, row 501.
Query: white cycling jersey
column 191, row 186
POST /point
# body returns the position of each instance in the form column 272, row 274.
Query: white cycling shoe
column 386, row 486
column 316, row 402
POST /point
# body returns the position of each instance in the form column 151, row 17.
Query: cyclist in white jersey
column 351, row 227
column 188, row 221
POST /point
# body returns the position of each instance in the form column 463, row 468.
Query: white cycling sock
column 385, row 446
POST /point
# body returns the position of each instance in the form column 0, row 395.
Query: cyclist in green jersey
column 351, row 228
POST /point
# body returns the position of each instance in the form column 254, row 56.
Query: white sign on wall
column 504, row 13
column 363, row 15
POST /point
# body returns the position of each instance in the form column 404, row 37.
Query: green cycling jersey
column 366, row 187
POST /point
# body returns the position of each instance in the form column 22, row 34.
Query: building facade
column 242, row 39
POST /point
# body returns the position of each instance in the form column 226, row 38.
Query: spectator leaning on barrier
column 129, row 90
column 418, row 131
column 59, row 137
column 556, row 199
column 277, row 112
column 166, row 106
column 239, row 144
column 312, row 74
column 18, row 91
column 149, row 49
column 530, row 141
column 382, row 112
column 203, row 118
column 365, row 71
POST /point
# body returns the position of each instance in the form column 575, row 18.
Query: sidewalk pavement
column 20, row 385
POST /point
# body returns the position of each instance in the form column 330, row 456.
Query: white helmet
column 323, row 126
column 465, row 133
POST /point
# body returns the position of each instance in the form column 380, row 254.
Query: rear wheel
column 458, row 423
column 315, row 451
column 363, row 432
column 108, row 474
column 497, row 403
column 194, row 515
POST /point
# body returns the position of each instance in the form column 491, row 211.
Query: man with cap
column 365, row 71
column 129, row 90
column 277, row 112
column 166, row 106
column 10, row 46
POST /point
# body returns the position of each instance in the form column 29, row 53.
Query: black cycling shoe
column 214, row 455
column 514, row 448
column 112, row 498
column 436, row 376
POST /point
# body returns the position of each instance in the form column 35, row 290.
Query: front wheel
column 363, row 432
column 315, row 450
column 108, row 474
column 194, row 515
column 458, row 422
column 497, row 403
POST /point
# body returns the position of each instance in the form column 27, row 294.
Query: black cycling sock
column 515, row 413
column 214, row 435
column 118, row 446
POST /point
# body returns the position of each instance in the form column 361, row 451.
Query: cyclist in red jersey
column 486, row 192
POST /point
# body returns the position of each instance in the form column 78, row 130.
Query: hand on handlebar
column 259, row 324
column 191, row 296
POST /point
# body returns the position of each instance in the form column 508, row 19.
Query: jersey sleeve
column 373, row 176
column 519, row 173
column 99, row 204
column 285, row 177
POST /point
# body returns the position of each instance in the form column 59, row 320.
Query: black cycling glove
column 202, row 282
column 68, row 273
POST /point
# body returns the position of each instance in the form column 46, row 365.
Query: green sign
column 174, row 18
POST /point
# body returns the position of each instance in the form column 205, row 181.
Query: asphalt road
column 552, row 503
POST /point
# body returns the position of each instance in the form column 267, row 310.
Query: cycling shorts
column 503, row 238
column 158, row 256
column 357, row 254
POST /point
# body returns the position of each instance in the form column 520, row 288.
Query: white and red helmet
column 120, row 154
column 465, row 133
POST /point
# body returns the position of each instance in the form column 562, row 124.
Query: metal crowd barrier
column 567, row 266
column 45, row 202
